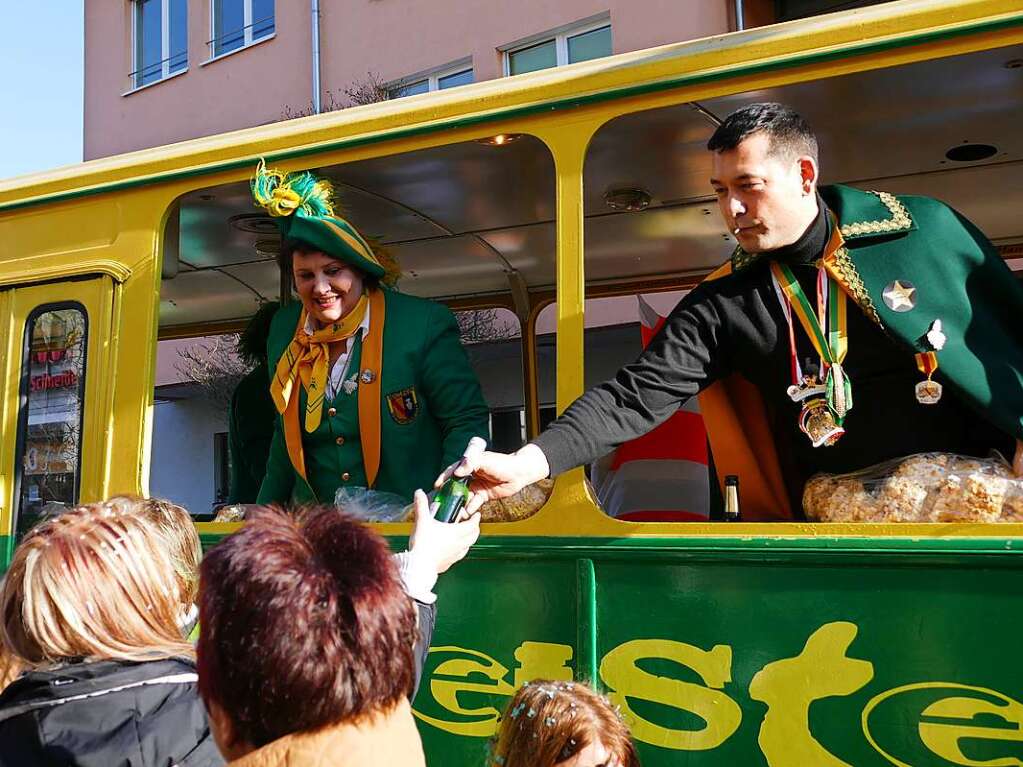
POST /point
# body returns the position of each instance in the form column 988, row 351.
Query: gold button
column 340, row 440
column 345, row 477
column 332, row 411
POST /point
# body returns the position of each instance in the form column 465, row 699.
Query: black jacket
column 107, row 714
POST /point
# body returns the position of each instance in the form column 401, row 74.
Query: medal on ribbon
column 928, row 391
column 826, row 402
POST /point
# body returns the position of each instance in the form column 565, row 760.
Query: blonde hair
column 547, row 723
column 92, row 583
column 175, row 525
column 10, row 666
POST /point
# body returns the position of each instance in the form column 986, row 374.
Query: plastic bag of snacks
column 372, row 505
column 928, row 487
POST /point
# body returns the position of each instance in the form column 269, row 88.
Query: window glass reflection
column 51, row 414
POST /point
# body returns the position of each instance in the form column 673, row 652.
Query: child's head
column 91, row 583
column 565, row 724
column 178, row 531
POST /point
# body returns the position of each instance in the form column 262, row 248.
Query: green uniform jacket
column 959, row 278
column 430, row 400
column 250, row 424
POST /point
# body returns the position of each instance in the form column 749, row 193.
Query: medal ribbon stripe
column 927, row 363
column 801, row 306
column 838, row 328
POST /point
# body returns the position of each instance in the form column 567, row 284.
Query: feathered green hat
column 304, row 208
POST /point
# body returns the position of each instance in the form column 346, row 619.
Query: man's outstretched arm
column 689, row 352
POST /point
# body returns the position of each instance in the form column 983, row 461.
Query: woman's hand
column 440, row 544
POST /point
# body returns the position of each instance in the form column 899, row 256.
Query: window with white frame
column 238, row 23
column 570, row 45
column 160, row 38
column 448, row 77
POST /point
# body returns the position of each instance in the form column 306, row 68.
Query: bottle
column 732, row 499
column 451, row 499
column 454, row 494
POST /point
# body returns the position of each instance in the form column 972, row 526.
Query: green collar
column 860, row 215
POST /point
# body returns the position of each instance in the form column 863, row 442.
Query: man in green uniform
column 373, row 386
column 848, row 328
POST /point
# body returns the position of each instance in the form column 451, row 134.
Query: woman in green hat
column 373, row 387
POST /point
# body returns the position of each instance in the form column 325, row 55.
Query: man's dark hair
column 305, row 623
column 790, row 134
column 252, row 341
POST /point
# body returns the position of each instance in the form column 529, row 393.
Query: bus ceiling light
column 627, row 198
column 967, row 152
column 501, row 139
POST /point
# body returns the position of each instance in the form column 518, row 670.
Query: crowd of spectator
column 309, row 641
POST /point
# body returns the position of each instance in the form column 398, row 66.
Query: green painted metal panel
column 759, row 652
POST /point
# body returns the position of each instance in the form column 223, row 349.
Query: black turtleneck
column 736, row 325
column 810, row 246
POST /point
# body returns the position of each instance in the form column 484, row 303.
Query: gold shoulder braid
column 741, row 259
column 900, row 219
column 850, row 277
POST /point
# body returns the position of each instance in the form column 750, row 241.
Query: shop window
column 50, row 415
column 160, row 37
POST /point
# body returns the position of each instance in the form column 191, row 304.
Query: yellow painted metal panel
column 16, row 306
column 121, row 226
column 8, row 409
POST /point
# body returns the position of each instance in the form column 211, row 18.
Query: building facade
column 162, row 71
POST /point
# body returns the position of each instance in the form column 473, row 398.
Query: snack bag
column 927, row 487
column 372, row 505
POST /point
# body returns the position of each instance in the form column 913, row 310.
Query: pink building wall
column 388, row 38
column 397, row 39
column 248, row 87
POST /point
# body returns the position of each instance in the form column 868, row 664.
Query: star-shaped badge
column 899, row 296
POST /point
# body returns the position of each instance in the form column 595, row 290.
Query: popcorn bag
column 928, row 487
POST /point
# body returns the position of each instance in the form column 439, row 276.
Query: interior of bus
column 473, row 223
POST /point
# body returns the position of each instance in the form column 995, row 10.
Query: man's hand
column 438, row 545
column 498, row 475
column 1017, row 462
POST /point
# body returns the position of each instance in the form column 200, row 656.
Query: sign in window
column 50, row 416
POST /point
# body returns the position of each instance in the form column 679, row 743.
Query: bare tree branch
column 481, row 325
column 214, row 365
column 369, row 90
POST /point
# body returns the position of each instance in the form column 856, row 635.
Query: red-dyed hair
column 548, row 723
column 303, row 624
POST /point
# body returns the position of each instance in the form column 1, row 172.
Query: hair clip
column 499, row 759
column 549, row 721
column 531, row 713
column 517, row 710
column 550, row 694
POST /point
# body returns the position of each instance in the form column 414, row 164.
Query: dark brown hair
column 790, row 134
column 289, row 247
column 548, row 723
column 304, row 623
